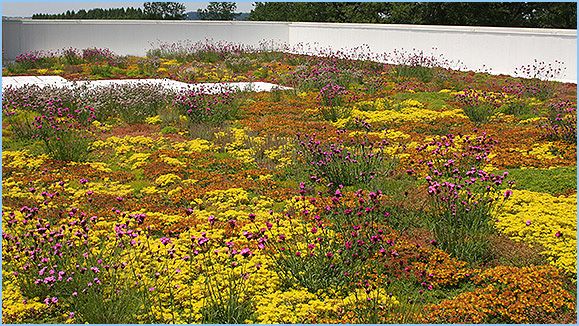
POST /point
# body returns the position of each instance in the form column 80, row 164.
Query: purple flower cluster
column 474, row 98
column 536, row 76
column 343, row 163
column 72, row 56
column 561, row 122
column 541, row 70
column 99, row 55
column 202, row 49
column 463, row 195
column 32, row 57
column 58, row 119
column 53, row 259
column 206, row 105
column 446, row 152
column 324, row 71
column 466, row 191
column 341, row 235
column 520, row 89
column 332, row 94
column 420, row 58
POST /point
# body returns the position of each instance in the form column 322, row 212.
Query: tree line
column 152, row 10
column 114, row 13
column 506, row 14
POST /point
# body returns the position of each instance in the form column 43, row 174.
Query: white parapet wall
column 500, row 49
column 128, row 37
column 497, row 49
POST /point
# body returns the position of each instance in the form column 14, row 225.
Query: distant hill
column 243, row 16
column 193, row 15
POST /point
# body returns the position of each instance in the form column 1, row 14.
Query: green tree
column 218, row 11
column 513, row 14
column 81, row 14
column 164, row 10
column 337, row 12
column 555, row 15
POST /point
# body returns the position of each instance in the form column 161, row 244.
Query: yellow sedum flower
column 155, row 120
column 138, row 160
column 151, row 190
column 167, row 179
column 14, row 306
column 545, row 220
column 292, row 307
column 543, row 151
column 194, row 145
column 22, row 159
column 101, row 126
column 406, row 114
column 172, row 161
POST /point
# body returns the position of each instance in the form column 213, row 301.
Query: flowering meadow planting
column 405, row 192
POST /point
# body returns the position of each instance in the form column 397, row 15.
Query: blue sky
column 26, row 9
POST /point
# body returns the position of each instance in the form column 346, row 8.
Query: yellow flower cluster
column 154, row 120
column 293, row 307
column 544, row 220
column 542, row 151
column 389, row 134
column 372, row 105
column 300, row 306
column 405, row 114
column 233, row 203
column 167, row 179
column 22, row 159
column 236, row 143
column 11, row 188
column 249, row 149
column 15, row 308
column 138, row 160
column 101, row 126
column 172, row 161
column 128, row 144
column 194, row 145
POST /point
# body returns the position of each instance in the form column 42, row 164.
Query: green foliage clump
column 555, row 181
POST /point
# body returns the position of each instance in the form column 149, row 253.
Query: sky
column 27, row 9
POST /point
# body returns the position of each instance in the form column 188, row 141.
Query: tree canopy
column 507, row 14
column 164, row 10
column 218, row 11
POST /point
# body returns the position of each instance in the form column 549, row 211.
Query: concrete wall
column 500, row 49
